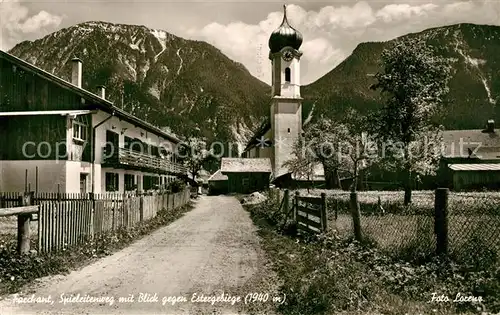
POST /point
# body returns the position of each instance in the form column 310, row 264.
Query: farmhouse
column 56, row 136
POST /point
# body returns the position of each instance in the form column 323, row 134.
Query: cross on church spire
column 285, row 19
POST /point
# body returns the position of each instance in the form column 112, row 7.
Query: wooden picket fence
column 68, row 219
column 11, row 199
column 63, row 223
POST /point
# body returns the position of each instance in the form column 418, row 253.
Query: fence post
column 286, row 201
column 113, row 203
column 23, row 226
column 126, row 209
column 141, row 208
column 356, row 216
column 336, row 209
column 441, row 220
column 296, row 207
column 92, row 214
column 323, row 211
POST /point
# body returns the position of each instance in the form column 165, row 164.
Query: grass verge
column 17, row 270
column 327, row 275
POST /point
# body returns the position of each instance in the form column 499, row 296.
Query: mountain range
column 191, row 88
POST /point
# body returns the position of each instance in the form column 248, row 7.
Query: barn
column 246, row 175
column 469, row 176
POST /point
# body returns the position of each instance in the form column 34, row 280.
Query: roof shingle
column 475, row 167
column 458, row 142
column 245, row 165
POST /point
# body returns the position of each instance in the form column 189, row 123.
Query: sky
column 241, row 29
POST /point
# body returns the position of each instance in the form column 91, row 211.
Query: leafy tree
column 358, row 150
column 320, row 141
column 302, row 163
column 341, row 146
column 414, row 81
column 194, row 155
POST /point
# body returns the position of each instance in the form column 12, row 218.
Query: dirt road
column 212, row 251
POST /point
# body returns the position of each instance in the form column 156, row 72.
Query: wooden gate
column 310, row 213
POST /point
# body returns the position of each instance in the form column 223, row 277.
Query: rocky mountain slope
column 474, row 89
column 189, row 86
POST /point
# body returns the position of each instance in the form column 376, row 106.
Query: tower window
column 288, row 75
column 288, row 130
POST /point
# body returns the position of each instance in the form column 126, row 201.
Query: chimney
column 490, row 126
column 101, row 91
column 76, row 74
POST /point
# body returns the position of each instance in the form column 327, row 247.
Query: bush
column 271, row 212
column 176, row 186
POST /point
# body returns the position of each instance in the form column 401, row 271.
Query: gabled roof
column 97, row 100
column 263, row 128
column 217, row 176
column 483, row 144
column 47, row 112
column 49, row 76
column 243, row 165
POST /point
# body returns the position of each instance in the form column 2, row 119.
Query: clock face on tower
column 287, row 55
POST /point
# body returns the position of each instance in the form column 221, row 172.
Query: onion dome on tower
column 284, row 36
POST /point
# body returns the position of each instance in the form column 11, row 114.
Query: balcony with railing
column 129, row 159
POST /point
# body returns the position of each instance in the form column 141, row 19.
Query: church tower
column 286, row 109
